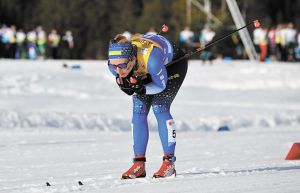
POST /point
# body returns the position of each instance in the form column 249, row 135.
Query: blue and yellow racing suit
column 153, row 53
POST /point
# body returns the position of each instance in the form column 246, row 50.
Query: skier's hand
column 137, row 85
column 124, row 85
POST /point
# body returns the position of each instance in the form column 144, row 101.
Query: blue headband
column 120, row 50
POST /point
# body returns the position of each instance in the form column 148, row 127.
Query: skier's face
column 119, row 64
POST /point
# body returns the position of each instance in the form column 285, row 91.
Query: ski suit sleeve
column 158, row 72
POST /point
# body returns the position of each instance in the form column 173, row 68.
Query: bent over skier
column 140, row 71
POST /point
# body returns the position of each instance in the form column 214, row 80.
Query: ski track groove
column 91, row 183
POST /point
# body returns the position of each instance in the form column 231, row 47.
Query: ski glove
column 137, row 85
column 133, row 84
column 124, row 85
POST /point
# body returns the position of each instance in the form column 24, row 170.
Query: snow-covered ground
column 61, row 125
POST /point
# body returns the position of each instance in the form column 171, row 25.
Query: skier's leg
column 140, row 131
column 161, row 104
column 140, row 134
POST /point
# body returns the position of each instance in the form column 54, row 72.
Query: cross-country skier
column 139, row 67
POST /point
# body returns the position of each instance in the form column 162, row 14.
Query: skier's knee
column 160, row 108
column 140, row 109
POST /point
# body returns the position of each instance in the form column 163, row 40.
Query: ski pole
column 256, row 24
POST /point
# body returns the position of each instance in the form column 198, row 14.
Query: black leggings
column 176, row 74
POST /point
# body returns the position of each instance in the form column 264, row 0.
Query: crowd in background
column 280, row 43
column 35, row 44
column 188, row 41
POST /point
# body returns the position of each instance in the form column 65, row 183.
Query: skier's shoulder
column 145, row 41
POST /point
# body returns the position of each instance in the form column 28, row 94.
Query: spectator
column 206, row 36
column 12, row 41
column 272, row 42
column 280, row 42
column 151, row 31
column 186, row 38
column 263, row 44
column 8, row 41
column 31, row 45
column 20, row 39
column 256, row 39
column 68, row 45
column 260, row 39
column 291, row 42
column 127, row 34
column 2, row 41
column 298, row 39
column 53, row 41
column 297, row 49
column 239, row 52
column 41, row 42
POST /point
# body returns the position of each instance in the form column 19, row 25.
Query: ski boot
column 137, row 170
column 167, row 168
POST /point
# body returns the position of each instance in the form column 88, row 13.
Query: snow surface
column 61, row 125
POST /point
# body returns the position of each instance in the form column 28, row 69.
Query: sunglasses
column 121, row 66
